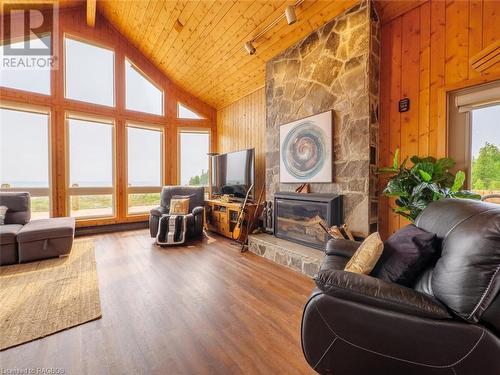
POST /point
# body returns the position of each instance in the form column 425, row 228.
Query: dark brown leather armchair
column 196, row 196
column 447, row 323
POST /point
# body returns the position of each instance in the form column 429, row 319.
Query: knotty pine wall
column 426, row 52
column 241, row 125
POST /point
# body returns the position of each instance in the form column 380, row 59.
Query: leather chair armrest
column 375, row 292
column 198, row 210
column 160, row 210
column 345, row 248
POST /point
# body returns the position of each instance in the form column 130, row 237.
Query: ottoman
column 45, row 238
column 8, row 243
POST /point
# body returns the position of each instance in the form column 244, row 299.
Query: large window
column 89, row 73
column 186, row 113
column 194, row 147
column 91, row 167
column 144, row 167
column 24, row 157
column 34, row 79
column 140, row 93
column 474, row 137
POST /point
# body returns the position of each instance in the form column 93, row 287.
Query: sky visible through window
column 141, row 94
column 90, row 154
column 184, row 112
column 33, row 80
column 89, row 73
column 144, row 157
column 194, row 158
column 485, row 128
column 24, row 149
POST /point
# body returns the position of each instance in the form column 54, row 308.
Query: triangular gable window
column 141, row 94
column 186, row 113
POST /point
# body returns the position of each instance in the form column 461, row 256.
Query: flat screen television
column 234, row 173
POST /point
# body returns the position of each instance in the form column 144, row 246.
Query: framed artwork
column 306, row 153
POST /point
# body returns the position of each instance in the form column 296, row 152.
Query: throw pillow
column 407, row 253
column 3, row 212
column 179, row 206
column 367, row 255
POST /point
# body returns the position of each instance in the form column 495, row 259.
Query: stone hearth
column 297, row 257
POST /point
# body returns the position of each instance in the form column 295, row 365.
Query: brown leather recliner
column 448, row 323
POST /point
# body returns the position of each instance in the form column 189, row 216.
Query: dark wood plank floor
column 200, row 309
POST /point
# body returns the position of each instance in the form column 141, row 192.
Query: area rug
column 41, row 298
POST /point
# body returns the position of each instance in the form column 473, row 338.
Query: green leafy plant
column 427, row 180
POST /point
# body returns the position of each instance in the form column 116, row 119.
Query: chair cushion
column 467, row 275
column 407, row 253
column 366, row 256
column 47, row 228
column 179, row 206
column 3, row 211
column 8, row 233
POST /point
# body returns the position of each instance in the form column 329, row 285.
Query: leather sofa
column 24, row 240
column 196, row 196
column 447, row 323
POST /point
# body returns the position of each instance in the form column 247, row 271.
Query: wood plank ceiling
column 199, row 44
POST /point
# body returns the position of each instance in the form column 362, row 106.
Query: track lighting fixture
column 290, row 15
column 291, row 18
column 249, row 47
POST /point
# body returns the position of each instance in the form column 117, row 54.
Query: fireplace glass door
column 298, row 221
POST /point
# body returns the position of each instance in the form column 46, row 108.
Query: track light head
column 250, row 48
column 290, row 15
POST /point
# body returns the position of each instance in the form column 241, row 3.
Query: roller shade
column 478, row 99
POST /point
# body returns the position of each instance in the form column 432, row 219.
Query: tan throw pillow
column 367, row 255
column 179, row 206
column 3, row 212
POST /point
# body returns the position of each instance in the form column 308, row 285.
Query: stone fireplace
column 334, row 68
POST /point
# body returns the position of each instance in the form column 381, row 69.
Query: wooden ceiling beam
column 91, row 10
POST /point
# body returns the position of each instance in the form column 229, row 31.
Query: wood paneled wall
column 241, row 125
column 72, row 21
column 426, row 52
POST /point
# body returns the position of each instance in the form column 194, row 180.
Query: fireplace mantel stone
column 289, row 254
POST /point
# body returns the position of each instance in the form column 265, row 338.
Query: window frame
column 79, row 191
column 459, row 130
column 179, row 103
column 199, row 130
column 149, row 79
column 34, row 191
column 64, row 69
column 143, row 189
column 51, row 71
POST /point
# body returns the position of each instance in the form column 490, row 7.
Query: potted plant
column 427, row 180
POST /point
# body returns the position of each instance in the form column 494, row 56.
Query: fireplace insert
column 297, row 216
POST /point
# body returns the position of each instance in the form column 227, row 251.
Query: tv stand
column 221, row 217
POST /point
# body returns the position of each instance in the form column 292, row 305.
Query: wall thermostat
column 404, row 105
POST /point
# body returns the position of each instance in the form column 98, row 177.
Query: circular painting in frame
column 306, row 150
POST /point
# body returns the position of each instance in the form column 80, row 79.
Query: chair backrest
column 196, row 195
column 466, row 277
column 19, row 207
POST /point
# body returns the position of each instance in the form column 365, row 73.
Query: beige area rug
column 41, row 298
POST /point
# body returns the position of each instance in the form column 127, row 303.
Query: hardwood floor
column 200, row 309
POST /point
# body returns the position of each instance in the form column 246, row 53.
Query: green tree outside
column 201, row 180
column 486, row 168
